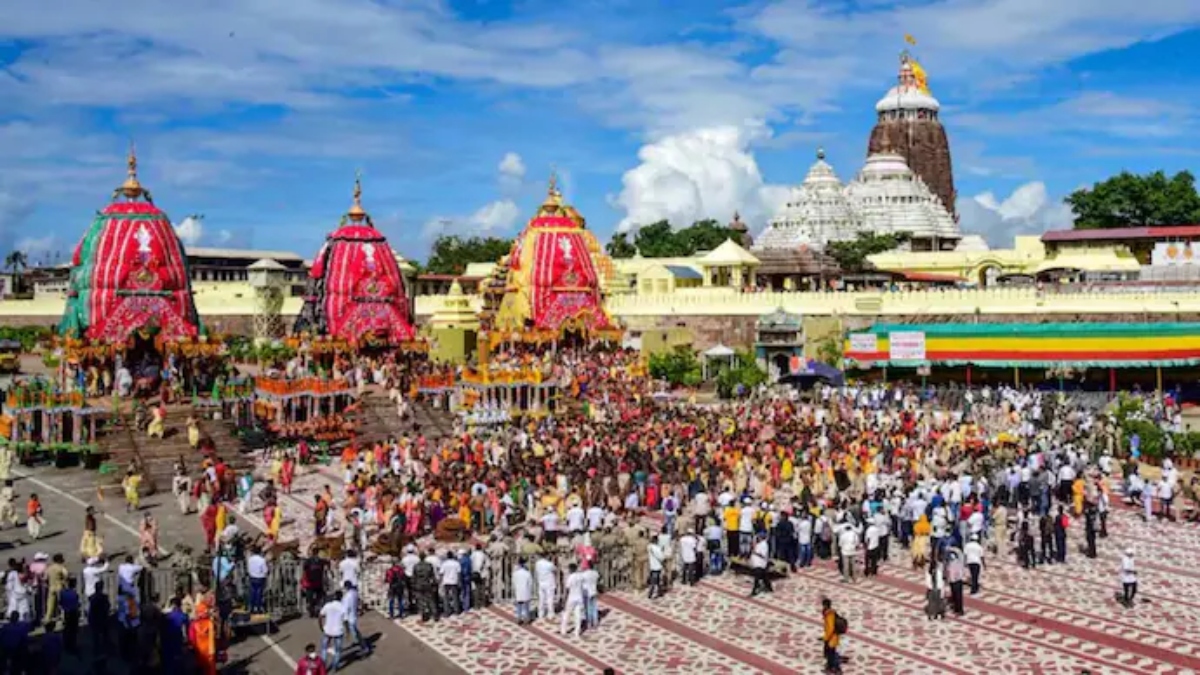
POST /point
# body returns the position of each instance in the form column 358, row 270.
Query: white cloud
column 190, row 230
column 224, row 237
column 705, row 173
column 1028, row 210
column 512, row 172
column 512, row 165
column 494, row 219
column 498, row 216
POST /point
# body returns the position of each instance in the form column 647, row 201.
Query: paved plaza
column 1056, row 619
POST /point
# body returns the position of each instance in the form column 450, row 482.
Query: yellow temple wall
column 227, row 306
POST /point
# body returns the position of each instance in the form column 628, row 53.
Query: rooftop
column 1150, row 232
column 240, row 253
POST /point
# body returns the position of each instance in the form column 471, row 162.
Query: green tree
column 679, row 367
column 657, row 240
column 16, row 262
column 703, row 235
column 852, row 255
column 1132, row 200
column 744, row 373
column 830, row 351
column 660, row 240
column 620, row 246
column 451, row 254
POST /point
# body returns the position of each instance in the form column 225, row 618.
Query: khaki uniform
column 56, row 580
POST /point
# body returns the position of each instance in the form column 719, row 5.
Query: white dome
column 902, row 97
column 816, row 212
column 887, row 165
column 890, row 198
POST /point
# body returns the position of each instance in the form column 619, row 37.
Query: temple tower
column 908, row 124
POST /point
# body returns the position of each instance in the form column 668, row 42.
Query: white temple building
column 816, row 212
column 886, row 197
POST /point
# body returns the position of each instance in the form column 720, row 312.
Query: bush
column 679, row 367
column 745, row 374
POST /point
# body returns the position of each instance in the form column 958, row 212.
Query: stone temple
column 905, row 186
column 908, row 124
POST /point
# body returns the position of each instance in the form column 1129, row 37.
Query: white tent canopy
column 718, row 352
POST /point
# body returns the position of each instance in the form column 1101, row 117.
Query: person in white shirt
column 595, row 518
column 231, row 531
column 349, row 568
column 712, row 543
column 550, row 527
column 872, row 536
column 451, row 599
column 689, row 543
column 1129, row 580
column 591, row 596
column 759, row 561
column 409, row 561
column 547, row 580
column 522, row 582
column 573, row 609
column 350, row 606
column 333, row 618
column 256, row 569
column 1166, row 494
column 481, row 576
column 575, row 519
column 973, row 552
column 655, row 558
column 847, row 542
column 804, row 537
column 127, row 577
column 701, row 507
column 91, row 575
column 746, row 526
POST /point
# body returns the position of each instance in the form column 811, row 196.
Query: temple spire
column 553, row 194
column 356, row 212
column 131, row 188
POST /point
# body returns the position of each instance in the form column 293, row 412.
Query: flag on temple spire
column 910, row 39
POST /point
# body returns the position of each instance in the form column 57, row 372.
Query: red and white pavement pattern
column 1055, row 619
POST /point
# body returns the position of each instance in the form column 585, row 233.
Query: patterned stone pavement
column 1055, row 619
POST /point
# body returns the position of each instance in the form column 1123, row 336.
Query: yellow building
column 659, row 278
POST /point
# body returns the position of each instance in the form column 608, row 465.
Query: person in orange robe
column 202, row 635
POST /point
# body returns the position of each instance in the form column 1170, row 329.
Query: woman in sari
column 193, row 433
column 286, row 472
column 920, row 545
column 148, row 536
column 273, row 517
column 157, row 426
column 90, row 546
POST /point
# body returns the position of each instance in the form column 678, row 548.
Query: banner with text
column 906, row 346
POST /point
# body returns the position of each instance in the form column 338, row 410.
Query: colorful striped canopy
column 1046, row 345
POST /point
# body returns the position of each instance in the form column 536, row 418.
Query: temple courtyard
column 1055, row 619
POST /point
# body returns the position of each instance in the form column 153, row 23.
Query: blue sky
column 257, row 113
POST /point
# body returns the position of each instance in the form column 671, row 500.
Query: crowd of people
column 666, row 491
column 621, row 485
column 134, row 625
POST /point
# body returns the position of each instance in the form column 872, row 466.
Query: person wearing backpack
column 835, row 627
column 395, row 580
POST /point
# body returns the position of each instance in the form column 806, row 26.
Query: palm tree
column 16, row 262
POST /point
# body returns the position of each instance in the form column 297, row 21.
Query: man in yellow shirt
column 731, row 514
